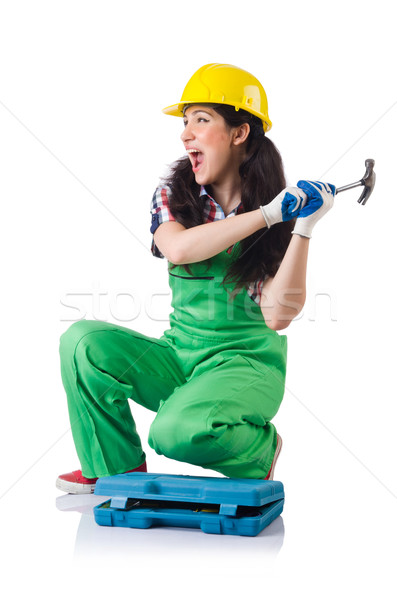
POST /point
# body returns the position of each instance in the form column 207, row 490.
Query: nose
column 187, row 133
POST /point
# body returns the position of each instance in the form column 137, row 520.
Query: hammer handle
column 349, row 186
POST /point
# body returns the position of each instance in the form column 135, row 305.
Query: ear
column 241, row 134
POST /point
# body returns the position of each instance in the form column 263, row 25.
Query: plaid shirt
column 160, row 209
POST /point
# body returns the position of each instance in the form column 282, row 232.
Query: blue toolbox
column 214, row 504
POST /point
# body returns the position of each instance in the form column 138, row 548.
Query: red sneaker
column 270, row 475
column 76, row 483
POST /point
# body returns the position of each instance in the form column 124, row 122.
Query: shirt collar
column 203, row 192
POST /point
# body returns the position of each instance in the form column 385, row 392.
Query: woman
column 236, row 240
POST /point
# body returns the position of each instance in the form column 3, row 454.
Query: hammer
column 368, row 181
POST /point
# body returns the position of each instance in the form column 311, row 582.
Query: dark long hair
column 262, row 178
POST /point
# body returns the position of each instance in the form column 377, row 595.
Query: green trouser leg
column 220, row 419
column 102, row 366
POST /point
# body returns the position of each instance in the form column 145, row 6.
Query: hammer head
column 368, row 181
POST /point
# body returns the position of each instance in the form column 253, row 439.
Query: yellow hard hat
column 224, row 84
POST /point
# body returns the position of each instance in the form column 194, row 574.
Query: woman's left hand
column 284, row 207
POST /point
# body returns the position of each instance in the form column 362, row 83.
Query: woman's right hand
column 285, row 206
column 320, row 199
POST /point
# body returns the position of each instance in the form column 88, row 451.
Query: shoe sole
column 276, row 455
column 74, row 488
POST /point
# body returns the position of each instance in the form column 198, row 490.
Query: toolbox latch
column 118, row 502
column 228, row 509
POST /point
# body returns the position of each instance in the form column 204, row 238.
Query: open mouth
column 196, row 158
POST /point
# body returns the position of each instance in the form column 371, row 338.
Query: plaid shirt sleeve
column 160, row 210
column 255, row 290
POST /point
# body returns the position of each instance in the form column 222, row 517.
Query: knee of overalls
column 180, row 440
column 183, row 425
column 70, row 339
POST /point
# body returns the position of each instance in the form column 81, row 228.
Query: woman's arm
column 284, row 295
column 182, row 246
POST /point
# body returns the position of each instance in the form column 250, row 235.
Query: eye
column 197, row 119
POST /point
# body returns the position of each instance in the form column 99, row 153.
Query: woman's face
column 211, row 146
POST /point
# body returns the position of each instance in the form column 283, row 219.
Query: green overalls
column 215, row 378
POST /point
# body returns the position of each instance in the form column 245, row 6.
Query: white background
column 83, row 143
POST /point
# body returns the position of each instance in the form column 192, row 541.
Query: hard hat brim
column 176, row 110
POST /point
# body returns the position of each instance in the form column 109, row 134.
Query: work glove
column 320, row 198
column 284, row 207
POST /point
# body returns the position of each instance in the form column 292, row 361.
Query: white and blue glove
column 285, row 206
column 320, row 199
